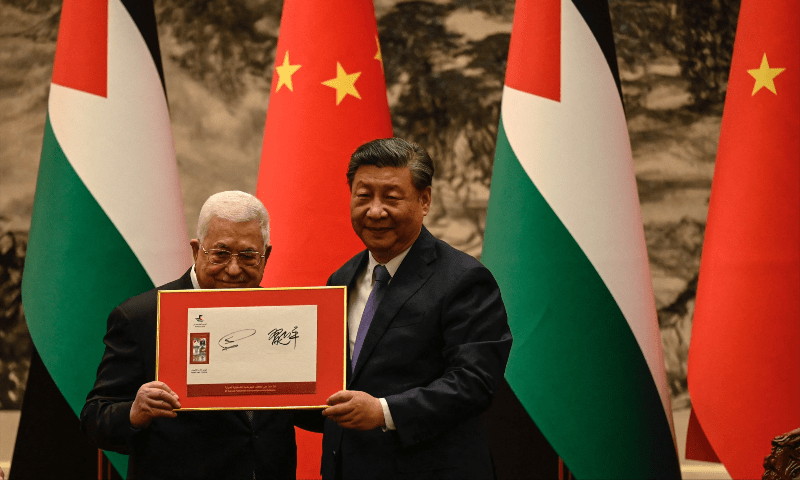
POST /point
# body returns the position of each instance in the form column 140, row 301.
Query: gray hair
column 393, row 152
column 235, row 206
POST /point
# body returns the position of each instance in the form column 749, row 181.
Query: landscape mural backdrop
column 444, row 64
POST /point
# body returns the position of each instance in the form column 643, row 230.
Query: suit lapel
column 412, row 274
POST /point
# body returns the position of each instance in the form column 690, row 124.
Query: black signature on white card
column 231, row 340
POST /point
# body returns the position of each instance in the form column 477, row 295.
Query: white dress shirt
column 193, row 274
column 358, row 300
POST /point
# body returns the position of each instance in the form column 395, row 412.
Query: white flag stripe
column 589, row 180
column 120, row 144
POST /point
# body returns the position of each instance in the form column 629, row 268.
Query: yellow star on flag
column 764, row 76
column 285, row 73
column 378, row 55
column 344, row 83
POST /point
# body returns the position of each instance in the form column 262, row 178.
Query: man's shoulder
column 452, row 257
column 449, row 251
column 148, row 299
column 453, row 268
column 342, row 275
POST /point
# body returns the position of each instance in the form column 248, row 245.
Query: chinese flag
column 328, row 97
column 744, row 372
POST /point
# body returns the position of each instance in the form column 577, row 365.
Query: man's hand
column 356, row 410
column 154, row 399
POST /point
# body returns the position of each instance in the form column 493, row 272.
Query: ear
column 195, row 244
column 425, row 200
column 263, row 265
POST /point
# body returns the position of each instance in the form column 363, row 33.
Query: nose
column 376, row 210
column 233, row 267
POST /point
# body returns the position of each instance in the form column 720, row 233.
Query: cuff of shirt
column 387, row 416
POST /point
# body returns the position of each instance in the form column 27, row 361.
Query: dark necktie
column 382, row 278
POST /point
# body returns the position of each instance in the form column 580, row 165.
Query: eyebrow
column 378, row 185
column 222, row 246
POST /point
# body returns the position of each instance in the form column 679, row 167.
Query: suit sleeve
column 106, row 415
column 476, row 344
column 310, row 420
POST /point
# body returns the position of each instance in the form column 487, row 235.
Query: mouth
column 233, row 281
column 378, row 229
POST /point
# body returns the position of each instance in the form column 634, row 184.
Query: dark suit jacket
column 436, row 350
column 194, row 445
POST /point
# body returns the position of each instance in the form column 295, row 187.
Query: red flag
column 328, row 97
column 744, row 372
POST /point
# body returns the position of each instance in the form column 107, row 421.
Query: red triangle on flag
column 536, row 46
column 82, row 47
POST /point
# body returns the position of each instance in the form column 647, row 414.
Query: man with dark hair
column 394, row 152
column 128, row 412
column 428, row 334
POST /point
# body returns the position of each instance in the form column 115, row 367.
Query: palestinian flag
column 107, row 220
column 564, row 239
column 328, row 97
column 744, row 364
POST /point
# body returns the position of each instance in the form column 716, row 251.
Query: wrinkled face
column 236, row 238
column 387, row 210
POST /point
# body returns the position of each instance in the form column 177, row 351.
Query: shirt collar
column 193, row 274
column 392, row 265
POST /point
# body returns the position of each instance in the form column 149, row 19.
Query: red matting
column 173, row 330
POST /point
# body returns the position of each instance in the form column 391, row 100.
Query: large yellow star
column 285, row 73
column 344, row 83
column 764, row 76
column 378, row 55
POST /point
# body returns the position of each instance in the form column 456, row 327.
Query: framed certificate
column 252, row 348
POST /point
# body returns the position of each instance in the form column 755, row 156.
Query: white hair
column 235, row 206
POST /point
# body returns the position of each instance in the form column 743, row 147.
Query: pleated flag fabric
column 564, row 239
column 107, row 220
column 744, row 356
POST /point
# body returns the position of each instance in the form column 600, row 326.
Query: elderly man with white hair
column 128, row 412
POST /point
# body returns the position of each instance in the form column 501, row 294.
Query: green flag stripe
column 77, row 269
column 575, row 364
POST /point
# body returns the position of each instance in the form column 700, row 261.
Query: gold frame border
column 192, row 290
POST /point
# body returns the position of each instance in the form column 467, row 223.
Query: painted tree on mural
column 699, row 34
column 222, row 41
column 444, row 90
column 15, row 345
